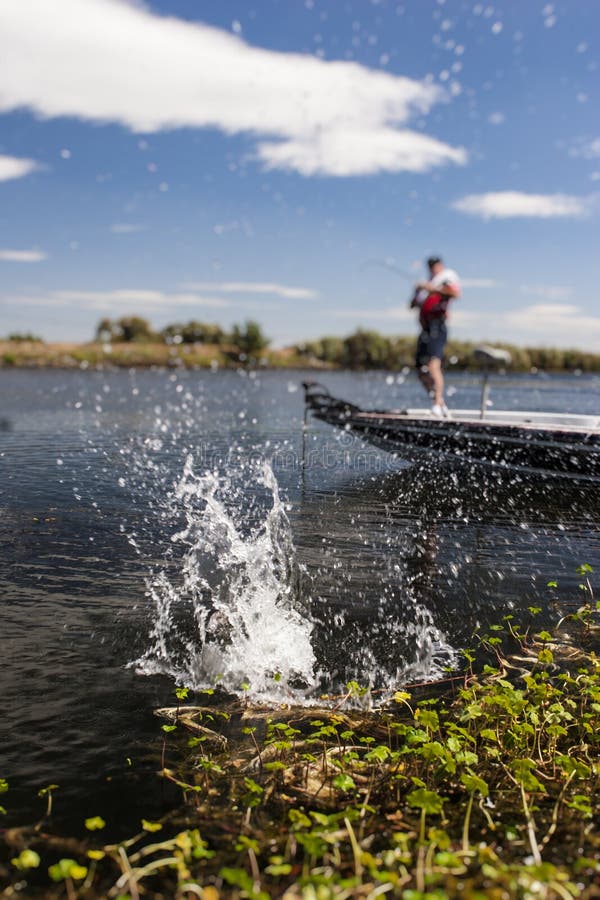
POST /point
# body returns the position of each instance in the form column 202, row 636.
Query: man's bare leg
column 426, row 379
column 432, row 379
column 435, row 370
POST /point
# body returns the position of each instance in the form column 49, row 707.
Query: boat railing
column 491, row 359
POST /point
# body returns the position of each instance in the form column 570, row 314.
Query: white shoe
column 440, row 411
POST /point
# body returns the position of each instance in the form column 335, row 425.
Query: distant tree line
column 247, row 339
column 372, row 350
column 24, row 337
column 363, row 349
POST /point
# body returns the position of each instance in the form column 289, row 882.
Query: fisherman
column 432, row 299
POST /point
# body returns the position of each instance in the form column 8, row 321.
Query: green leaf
column 252, row 786
column 467, row 758
column 238, row 878
column 151, row 826
column 27, row 859
column 78, row 872
column 344, row 783
column 401, row 696
column 473, row 783
column 428, row 801
column 523, row 772
column 278, row 869
column 428, row 718
column 43, row 792
column 417, row 781
column 62, row 869
column 168, row 728
column 582, row 804
column 355, row 689
column 378, row 754
column 448, row 860
column 95, row 823
column 246, row 843
column 299, row 819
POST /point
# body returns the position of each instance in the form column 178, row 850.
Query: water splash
column 229, row 609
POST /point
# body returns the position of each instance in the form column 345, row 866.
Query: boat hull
column 560, row 448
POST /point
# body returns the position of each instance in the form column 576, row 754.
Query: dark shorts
column 432, row 341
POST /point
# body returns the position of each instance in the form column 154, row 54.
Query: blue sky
column 275, row 160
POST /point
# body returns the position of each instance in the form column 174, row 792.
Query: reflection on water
column 386, row 568
column 469, row 546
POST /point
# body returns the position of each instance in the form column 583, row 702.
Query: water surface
column 157, row 528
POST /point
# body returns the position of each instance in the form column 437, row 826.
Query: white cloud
column 359, row 151
column 560, row 324
column 254, row 287
column 496, row 118
column 478, row 283
column 515, row 204
column 13, row 166
column 23, row 256
column 122, row 301
column 536, row 325
column 127, row 300
column 547, row 291
column 586, row 149
column 113, row 61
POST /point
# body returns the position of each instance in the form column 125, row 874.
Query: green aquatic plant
column 48, row 792
column 27, row 859
column 485, row 786
column 95, row 823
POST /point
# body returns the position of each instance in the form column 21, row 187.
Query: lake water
column 157, row 529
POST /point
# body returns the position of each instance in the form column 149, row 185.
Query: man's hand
column 424, row 286
column 414, row 300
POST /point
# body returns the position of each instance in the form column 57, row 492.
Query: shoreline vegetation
column 130, row 342
column 482, row 786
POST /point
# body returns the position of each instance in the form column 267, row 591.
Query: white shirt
column 446, row 276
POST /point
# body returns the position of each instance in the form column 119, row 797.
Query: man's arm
column 447, row 290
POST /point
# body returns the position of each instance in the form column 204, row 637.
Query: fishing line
column 388, row 263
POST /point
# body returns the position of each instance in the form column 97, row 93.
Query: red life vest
column 434, row 307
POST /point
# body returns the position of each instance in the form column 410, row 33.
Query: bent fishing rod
column 387, row 262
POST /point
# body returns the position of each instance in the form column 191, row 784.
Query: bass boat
column 546, row 443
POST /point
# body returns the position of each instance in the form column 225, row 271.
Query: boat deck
column 520, row 419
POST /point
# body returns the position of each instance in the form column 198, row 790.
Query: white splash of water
column 230, row 611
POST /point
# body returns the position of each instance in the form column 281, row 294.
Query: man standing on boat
column 432, row 299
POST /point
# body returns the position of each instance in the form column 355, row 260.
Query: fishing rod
column 387, row 262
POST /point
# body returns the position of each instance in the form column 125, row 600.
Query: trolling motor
column 490, row 359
